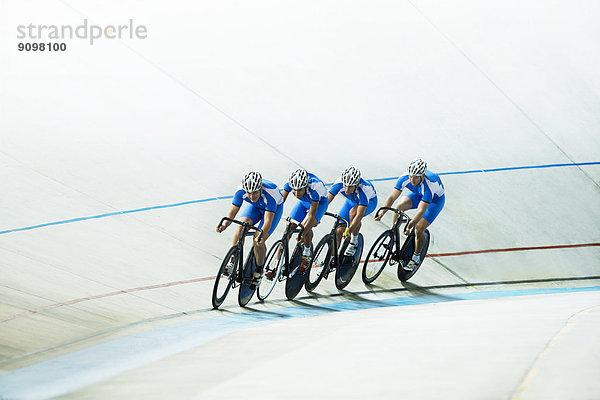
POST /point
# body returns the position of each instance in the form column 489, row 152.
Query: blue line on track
column 67, row 373
column 475, row 171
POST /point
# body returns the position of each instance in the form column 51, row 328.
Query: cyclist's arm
column 232, row 213
column 420, row 211
column 285, row 194
column 268, row 220
column 389, row 201
column 330, row 196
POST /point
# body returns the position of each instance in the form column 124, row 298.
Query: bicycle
column 279, row 266
column 385, row 250
column 241, row 274
column 327, row 258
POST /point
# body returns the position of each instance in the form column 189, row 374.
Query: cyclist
column 361, row 200
column 264, row 205
column 426, row 194
column 313, row 203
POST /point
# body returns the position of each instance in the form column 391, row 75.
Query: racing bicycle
column 327, row 258
column 279, row 266
column 387, row 250
column 242, row 272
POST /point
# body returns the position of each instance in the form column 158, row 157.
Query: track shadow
column 413, row 289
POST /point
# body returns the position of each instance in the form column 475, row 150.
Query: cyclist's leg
column 407, row 201
column 251, row 215
column 344, row 213
column 433, row 210
column 370, row 208
column 356, row 230
column 260, row 249
column 420, row 234
column 308, row 226
column 298, row 213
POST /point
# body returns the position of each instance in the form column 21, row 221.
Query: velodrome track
column 118, row 160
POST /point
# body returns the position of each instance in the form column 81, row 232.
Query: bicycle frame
column 238, row 278
column 286, row 244
column 395, row 229
column 336, row 254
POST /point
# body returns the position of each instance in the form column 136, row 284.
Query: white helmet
column 252, row 181
column 299, row 179
column 351, row 176
column 417, row 167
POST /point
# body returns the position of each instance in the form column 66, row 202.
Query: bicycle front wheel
column 273, row 266
column 378, row 257
column 320, row 263
column 224, row 279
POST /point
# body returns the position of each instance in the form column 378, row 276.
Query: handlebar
column 403, row 216
column 288, row 229
column 247, row 227
column 337, row 219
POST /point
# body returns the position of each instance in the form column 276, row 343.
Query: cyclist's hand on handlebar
column 259, row 238
column 407, row 228
column 222, row 227
column 378, row 216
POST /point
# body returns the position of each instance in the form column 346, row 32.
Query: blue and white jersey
column 315, row 191
column 431, row 188
column 361, row 196
column 270, row 197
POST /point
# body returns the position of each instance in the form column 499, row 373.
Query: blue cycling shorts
column 300, row 210
column 432, row 210
column 255, row 214
column 349, row 204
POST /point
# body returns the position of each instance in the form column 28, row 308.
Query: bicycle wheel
column 296, row 280
column 407, row 252
column 348, row 266
column 223, row 281
column 272, row 270
column 378, row 257
column 320, row 263
column 246, row 289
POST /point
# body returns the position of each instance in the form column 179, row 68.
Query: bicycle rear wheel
column 378, row 257
column 407, row 252
column 246, row 288
column 273, row 266
column 296, row 280
column 223, row 281
column 320, row 263
column 349, row 264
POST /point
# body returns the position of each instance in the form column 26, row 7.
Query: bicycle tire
column 378, row 257
column 246, row 292
column 406, row 254
column 294, row 283
column 271, row 270
column 220, row 283
column 322, row 260
column 344, row 274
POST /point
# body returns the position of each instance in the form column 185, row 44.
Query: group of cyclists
column 264, row 206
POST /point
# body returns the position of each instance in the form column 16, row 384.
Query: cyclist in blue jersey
column 361, row 200
column 264, row 204
column 313, row 203
column 426, row 194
